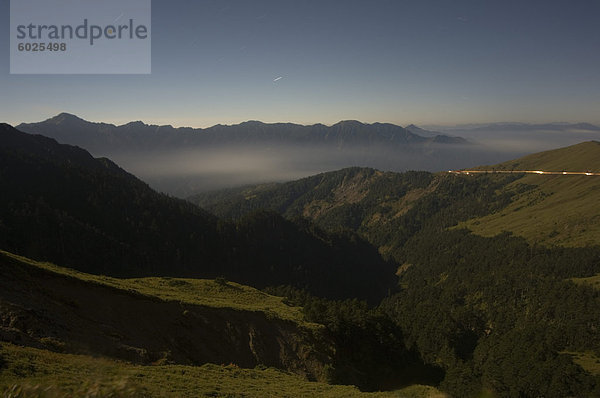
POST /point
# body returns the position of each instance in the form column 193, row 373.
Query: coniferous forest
column 300, row 199
column 404, row 293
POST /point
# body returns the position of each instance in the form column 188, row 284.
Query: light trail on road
column 541, row 172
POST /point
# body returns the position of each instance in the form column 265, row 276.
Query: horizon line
column 422, row 125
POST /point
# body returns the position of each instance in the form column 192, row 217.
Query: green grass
column 210, row 293
column 581, row 157
column 593, row 281
column 33, row 372
column 30, row 372
column 560, row 210
column 587, row 360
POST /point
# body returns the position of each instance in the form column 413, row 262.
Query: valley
column 413, row 284
column 129, row 346
column 273, row 199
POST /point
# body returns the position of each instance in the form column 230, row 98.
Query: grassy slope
column 589, row 361
column 579, row 157
column 42, row 373
column 560, row 210
column 593, row 281
column 189, row 291
column 35, row 372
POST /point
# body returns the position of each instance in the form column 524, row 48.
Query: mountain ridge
column 579, row 157
column 67, row 207
column 557, row 209
column 64, row 119
column 365, row 200
column 522, row 125
column 71, row 117
column 184, row 160
column 476, row 315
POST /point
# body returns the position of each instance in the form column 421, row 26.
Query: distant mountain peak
column 65, row 117
column 137, row 123
column 422, row 132
column 346, row 123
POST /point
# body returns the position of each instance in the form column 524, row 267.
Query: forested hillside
column 385, row 208
column 62, row 205
column 500, row 314
column 68, row 333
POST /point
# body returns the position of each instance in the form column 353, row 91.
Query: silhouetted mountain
column 422, row 132
column 497, row 312
column 60, row 204
column 183, row 161
column 99, row 137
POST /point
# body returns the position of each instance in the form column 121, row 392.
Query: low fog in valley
column 188, row 171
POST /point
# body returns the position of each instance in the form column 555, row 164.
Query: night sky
column 423, row 62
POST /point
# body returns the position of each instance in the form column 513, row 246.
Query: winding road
column 564, row 173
